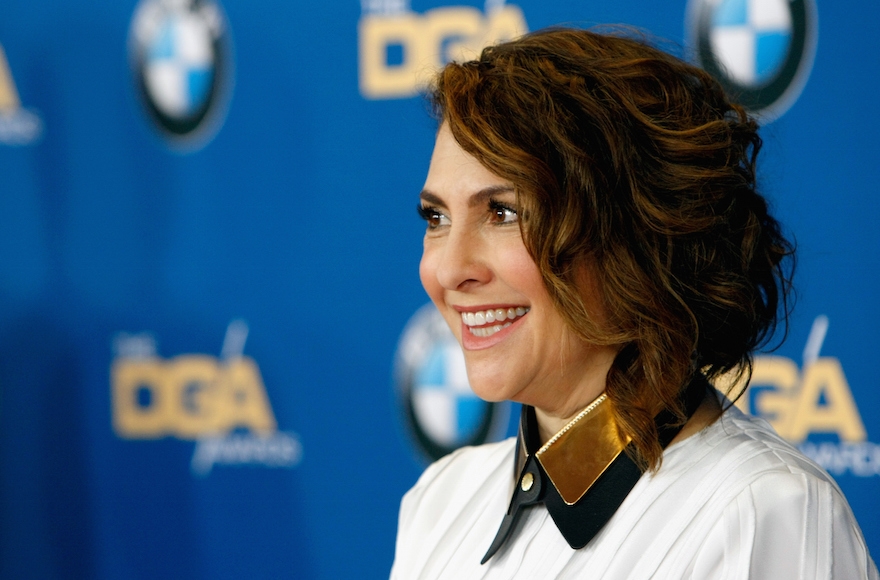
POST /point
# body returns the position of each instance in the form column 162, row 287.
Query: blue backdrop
column 209, row 249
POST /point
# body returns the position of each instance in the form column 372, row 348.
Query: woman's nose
column 463, row 261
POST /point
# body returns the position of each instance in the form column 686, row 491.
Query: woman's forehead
column 455, row 172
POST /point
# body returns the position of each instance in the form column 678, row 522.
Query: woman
column 596, row 243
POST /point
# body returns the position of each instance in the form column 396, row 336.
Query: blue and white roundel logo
column 181, row 60
column 761, row 51
column 440, row 408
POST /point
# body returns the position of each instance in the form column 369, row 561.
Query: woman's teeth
column 477, row 321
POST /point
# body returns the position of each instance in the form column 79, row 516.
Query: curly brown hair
column 636, row 166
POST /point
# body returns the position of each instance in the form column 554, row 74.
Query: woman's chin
column 491, row 391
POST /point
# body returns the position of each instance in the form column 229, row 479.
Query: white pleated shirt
column 734, row 501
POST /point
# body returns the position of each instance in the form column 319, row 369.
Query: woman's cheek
column 428, row 273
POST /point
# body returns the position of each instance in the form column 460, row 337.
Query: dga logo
column 761, row 51
column 219, row 403
column 181, row 58
column 400, row 49
column 18, row 126
column 813, row 407
column 441, row 411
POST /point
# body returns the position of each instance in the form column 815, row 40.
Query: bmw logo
column 761, row 51
column 441, row 411
column 181, row 58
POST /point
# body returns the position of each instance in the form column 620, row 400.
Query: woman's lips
column 487, row 327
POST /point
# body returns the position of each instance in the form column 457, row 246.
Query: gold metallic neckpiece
column 581, row 451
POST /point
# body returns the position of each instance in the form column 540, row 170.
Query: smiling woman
column 476, row 263
column 596, row 243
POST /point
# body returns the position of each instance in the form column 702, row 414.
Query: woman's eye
column 503, row 214
column 433, row 217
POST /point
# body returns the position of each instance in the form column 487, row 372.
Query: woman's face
column 476, row 269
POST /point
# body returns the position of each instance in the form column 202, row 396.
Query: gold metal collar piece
column 581, row 451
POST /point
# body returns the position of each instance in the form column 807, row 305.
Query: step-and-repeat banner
column 215, row 356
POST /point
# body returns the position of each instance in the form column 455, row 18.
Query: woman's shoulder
column 743, row 448
column 784, row 510
column 748, row 459
column 463, row 495
column 736, row 496
column 738, row 459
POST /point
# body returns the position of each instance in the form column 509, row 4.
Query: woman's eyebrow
column 478, row 198
column 482, row 196
column 431, row 198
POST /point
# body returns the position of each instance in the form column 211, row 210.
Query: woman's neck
column 550, row 424
column 708, row 411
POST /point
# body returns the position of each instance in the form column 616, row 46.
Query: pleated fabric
column 734, row 501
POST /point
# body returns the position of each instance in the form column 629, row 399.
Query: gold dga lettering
column 775, row 404
column 839, row 414
column 245, row 403
column 429, row 41
column 792, row 404
column 8, row 94
column 376, row 33
column 461, row 26
column 131, row 418
column 197, row 405
column 505, row 23
column 189, row 396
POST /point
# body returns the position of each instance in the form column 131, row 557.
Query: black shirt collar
column 582, row 474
